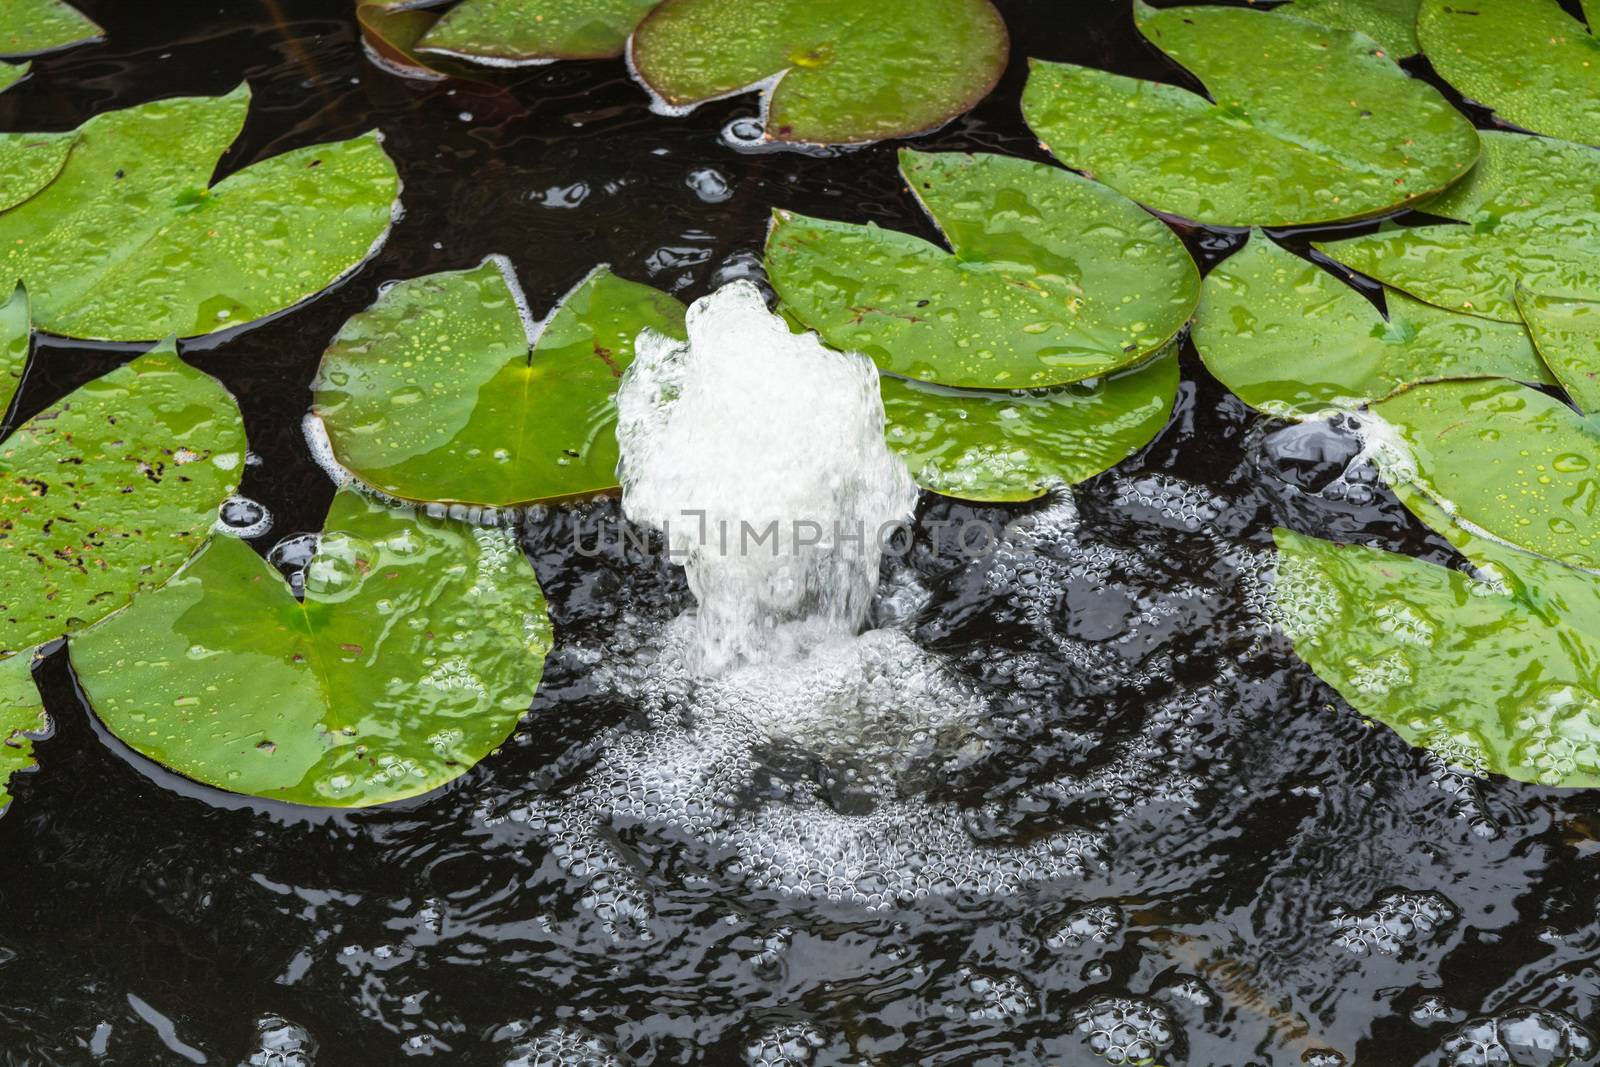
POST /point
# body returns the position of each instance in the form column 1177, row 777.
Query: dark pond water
column 1263, row 878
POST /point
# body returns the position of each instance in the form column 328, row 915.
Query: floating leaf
column 390, row 36
column 845, row 70
column 128, row 243
column 16, row 335
column 516, row 32
column 30, row 27
column 437, row 391
column 1511, row 461
column 416, row 650
column 1468, row 669
column 29, row 162
column 11, row 74
column 1528, row 60
column 1009, row 446
column 108, row 491
column 1567, row 333
column 1292, row 340
column 1533, row 209
column 1309, row 125
column 1392, row 23
column 1053, row 278
column 21, row 714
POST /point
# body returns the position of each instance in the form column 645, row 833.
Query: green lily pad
column 1567, row 333
column 16, row 336
column 128, row 243
column 21, row 714
column 11, row 74
column 1018, row 445
column 31, row 27
column 1532, row 209
column 438, row 393
column 1392, row 23
column 390, row 36
column 1051, row 279
column 518, row 32
column 1309, row 125
column 1528, row 60
column 844, row 71
column 415, row 652
column 108, row 491
column 1290, row 339
column 1472, row 670
column 1506, row 459
column 29, row 162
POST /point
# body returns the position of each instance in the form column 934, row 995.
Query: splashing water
column 760, row 453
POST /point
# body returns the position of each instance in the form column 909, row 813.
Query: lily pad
column 520, row 32
column 32, row 27
column 390, row 35
column 1392, row 23
column 21, row 715
column 11, row 74
column 108, row 491
column 1051, row 279
column 1469, row 669
column 29, row 162
column 438, row 391
column 1018, row 445
column 1567, row 333
column 128, row 243
column 831, row 71
column 415, row 652
column 1528, row 60
column 1308, row 125
column 1505, row 458
column 1532, row 213
column 16, row 336
column 1290, row 339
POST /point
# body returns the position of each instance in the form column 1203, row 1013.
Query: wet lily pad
column 21, row 714
column 129, row 243
column 108, row 491
column 1567, row 333
column 518, row 32
column 1509, row 460
column 1290, row 339
column 1051, row 279
column 1532, row 213
column 29, row 162
column 16, row 336
column 438, row 392
column 1010, row 446
column 1309, row 125
column 415, row 652
column 11, row 74
column 1474, row 671
column 32, row 27
column 1528, row 60
column 1392, row 23
column 845, row 71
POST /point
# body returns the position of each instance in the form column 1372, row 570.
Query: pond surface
column 1163, row 829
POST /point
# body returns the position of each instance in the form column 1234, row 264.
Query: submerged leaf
column 515, row 32
column 31, row 27
column 1528, row 60
column 29, row 162
column 390, row 36
column 21, row 714
column 846, row 71
column 1511, row 461
column 1051, row 279
column 1532, row 209
column 1290, row 339
column 415, row 652
column 1308, row 124
column 1487, row 676
column 1010, row 446
column 16, row 335
column 437, row 393
column 1392, row 23
column 128, row 243
column 1567, row 333
column 108, row 491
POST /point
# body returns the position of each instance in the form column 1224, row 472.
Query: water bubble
column 1125, row 1030
column 1519, row 1037
column 281, row 1043
column 243, row 517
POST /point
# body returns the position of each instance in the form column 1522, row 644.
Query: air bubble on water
column 293, row 555
column 1431, row 1010
column 281, row 1043
column 993, row 996
column 1519, row 1037
column 788, row 1045
column 1393, row 923
column 1323, row 1057
column 242, row 517
column 709, row 185
column 1125, row 1030
column 564, row 1047
column 1096, row 923
column 321, row 449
